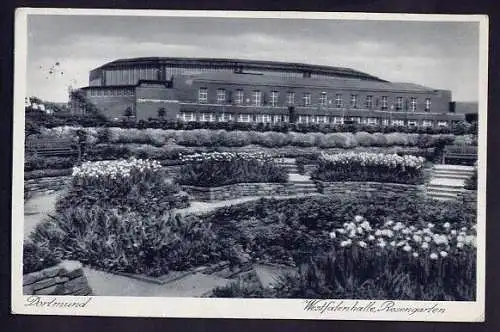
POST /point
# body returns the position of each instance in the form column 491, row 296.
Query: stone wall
column 47, row 183
column 354, row 188
column 206, row 194
column 66, row 278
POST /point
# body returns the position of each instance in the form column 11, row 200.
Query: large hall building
column 198, row 89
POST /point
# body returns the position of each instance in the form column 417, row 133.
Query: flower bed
column 132, row 184
column 224, row 168
column 116, row 216
column 369, row 167
column 410, row 248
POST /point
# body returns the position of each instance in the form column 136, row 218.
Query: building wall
column 153, row 96
column 440, row 100
column 113, row 107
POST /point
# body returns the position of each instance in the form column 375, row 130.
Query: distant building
column 212, row 90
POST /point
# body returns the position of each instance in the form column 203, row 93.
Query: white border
column 236, row 308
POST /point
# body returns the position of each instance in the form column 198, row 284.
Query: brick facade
column 321, row 94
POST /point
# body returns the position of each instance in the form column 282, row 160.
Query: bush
column 34, row 162
column 219, row 169
column 362, row 166
column 42, row 173
column 38, row 256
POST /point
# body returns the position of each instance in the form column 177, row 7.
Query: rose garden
column 345, row 214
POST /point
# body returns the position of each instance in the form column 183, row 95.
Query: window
column 369, row 102
column 427, row 123
column 355, row 119
column 263, row 118
column 338, row 120
column 413, row 104
column 412, row 123
column 291, row 98
column 321, row 119
column 257, row 98
column 303, row 119
column 223, row 117
column 427, row 104
column 372, row 121
column 221, row 96
column 354, row 101
column 277, row 118
column 188, row 117
column 239, row 97
column 203, row 95
column 399, row 103
column 307, row 99
column 398, row 122
column 207, row 117
column 323, row 100
column 338, row 100
column 384, row 103
column 385, row 122
column 244, row 118
column 442, row 123
column 285, row 118
column 274, row 98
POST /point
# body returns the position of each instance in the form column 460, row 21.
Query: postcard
column 237, row 164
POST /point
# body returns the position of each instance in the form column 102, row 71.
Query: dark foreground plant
column 129, row 241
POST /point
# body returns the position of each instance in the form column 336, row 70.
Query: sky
column 441, row 55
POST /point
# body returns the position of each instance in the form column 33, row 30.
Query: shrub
column 362, row 166
column 471, row 183
column 38, row 256
column 219, row 169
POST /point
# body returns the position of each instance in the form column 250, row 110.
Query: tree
column 161, row 112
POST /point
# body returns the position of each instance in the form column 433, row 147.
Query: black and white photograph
column 249, row 164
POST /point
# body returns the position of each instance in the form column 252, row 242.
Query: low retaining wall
column 66, row 278
column 47, row 183
column 207, row 194
column 355, row 188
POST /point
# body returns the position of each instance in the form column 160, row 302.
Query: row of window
column 110, row 92
column 303, row 119
column 256, row 99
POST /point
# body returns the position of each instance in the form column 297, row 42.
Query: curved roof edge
column 341, row 71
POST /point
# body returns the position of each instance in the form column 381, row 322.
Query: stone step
column 450, row 176
column 454, row 167
column 441, row 188
column 450, row 171
column 435, row 194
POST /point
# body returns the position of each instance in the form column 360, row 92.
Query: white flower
column 346, row 243
column 464, row 229
column 427, row 239
column 433, row 256
column 417, row 238
column 406, row 248
column 393, row 243
column 358, row 219
column 332, row 235
column 371, row 237
column 443, row 253
column 446, row 225
column 453, row 232
column 415, row 254
column 430, row 225
column 460, row 245
column 362, row 244
column 425, row 245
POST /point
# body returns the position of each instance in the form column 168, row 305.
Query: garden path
column 108, row 284
column 197, row 207
column 37, row 208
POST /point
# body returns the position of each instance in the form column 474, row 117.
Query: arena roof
column 313, row 82
column 241, row 64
